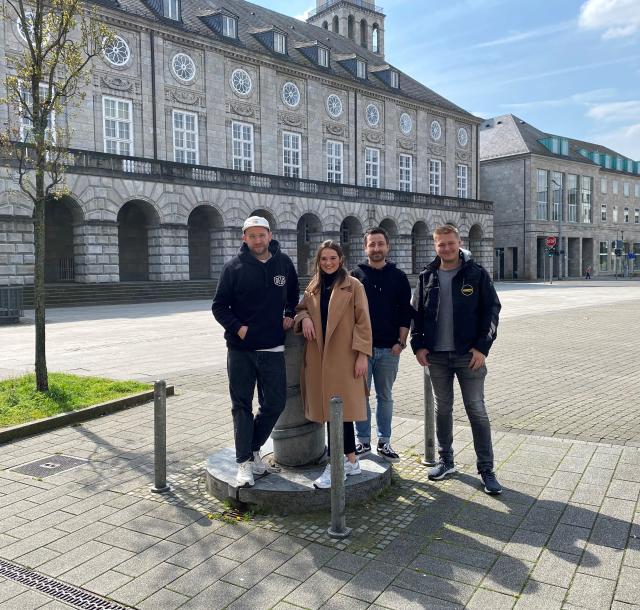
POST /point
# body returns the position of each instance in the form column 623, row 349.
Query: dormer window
column 361, row 69
column 171, row 9
column 323, row 57
column 229, row 26
column 279, row 43
column 395, row 79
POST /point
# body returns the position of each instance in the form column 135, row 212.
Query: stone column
column 169, row 253
column 95, row 250
column 16, row 250
column 296, row 441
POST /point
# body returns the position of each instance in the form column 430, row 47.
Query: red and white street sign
column 551, row 241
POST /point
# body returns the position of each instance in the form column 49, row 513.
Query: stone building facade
column 202, row 113
column 585, row 195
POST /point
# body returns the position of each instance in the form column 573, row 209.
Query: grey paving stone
column 347, row 562
column 194, row 532
column 526, row 545
column 205, row 574
column 461, row 554
column 70, row 560
column 624, row 490
column 580, row 515
column 38, row 557
column 243, row 548
column 215, row 597
column 77, row 522
column 200, row 551
column 342, row 602
column 448, row 569
column 147, row 559
column 591, row 592
column 618, row 508
column 540, row 595
column 433, row 586
column 11, row 589
column 508, row 575
column 28, row 600
column 628, row 589
column 55, row 605
column 597, row 474
column 94, row 501
column 92, row 568
column 26, row 545
column 254, row 569
column 555, row 568
column 177, row 514
column 146, row 585
column 610, row 532
column 266, row 593
column 371, row 581
column 628, row 472
column 128, row 539
column 397, row 597
column 130, row 512
column 79, row 537
column 288, row 545
column 483, row 599
column 601, row 561
column 568, row 539
column 565, row 480
column 314, row 592
column 592, row 495
column 402, row 550
column 35, row 526
column 107, row 582
column 153, row 526
column 541, row 519
column 306, row 562
column 163, row 599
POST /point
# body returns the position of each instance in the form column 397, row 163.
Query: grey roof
column 508, row 135
column 252, row 17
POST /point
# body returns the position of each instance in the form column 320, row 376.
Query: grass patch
column 20, row 402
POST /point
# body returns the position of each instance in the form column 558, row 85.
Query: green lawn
column 20, row 403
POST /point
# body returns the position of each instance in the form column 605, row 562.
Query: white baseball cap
column 255, row 221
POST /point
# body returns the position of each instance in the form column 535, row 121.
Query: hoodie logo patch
column 467, row 290
column 279, row 280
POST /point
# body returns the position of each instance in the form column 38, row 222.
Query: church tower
column 362, row 22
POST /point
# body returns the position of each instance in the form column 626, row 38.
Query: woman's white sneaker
column 351, row 468
column 244, row 476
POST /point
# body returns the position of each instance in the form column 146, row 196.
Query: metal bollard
column 160, row 436
column 338, row 527
column 429, row 458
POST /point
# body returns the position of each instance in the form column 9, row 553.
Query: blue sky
column 570, row 67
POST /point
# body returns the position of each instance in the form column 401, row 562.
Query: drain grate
column 74, row 596
column 46, row 467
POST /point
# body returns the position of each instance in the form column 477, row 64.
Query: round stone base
column 291, row 490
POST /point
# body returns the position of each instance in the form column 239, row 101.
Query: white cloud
column 304, row 16
column 618, row 18
column 625, row 140
column 616, row 111
column 527, row 35
column 584, row 98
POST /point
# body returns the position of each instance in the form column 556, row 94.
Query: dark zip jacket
column 257, row 295
column 476, row 307
column 389, row 295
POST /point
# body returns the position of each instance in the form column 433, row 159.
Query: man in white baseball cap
column 255, row 303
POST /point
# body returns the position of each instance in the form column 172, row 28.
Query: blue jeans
column 245, row 370
column 383, row 368
column 442, row 367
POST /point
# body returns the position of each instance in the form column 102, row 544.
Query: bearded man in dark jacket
column 455, row 326
column 255, row 303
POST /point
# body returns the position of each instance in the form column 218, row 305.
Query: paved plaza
column 562, row 390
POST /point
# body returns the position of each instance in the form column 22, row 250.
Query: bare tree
column 43, row 87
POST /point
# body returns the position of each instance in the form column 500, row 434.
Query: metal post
column 338, row 528
column 550, row 267
column 429, row 422
column 160, row 436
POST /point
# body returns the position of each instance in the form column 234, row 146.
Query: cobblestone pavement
column 565, row 534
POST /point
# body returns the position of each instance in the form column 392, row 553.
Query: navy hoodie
column 257, row 295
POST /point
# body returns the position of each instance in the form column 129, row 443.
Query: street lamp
column 560, row 214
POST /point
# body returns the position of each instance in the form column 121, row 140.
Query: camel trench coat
column 328, row 363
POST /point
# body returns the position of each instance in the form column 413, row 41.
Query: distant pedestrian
column 255, row 303
column 587, row 272
column 455, row 326
column 389, row 297
column 333, row 316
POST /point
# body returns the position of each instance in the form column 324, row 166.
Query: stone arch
column 336, row 25
column 375, row 38
column 205, row 226
column 351, row 240
column 271, row 219
column 325, row 25
column 364, row 33
column 480, row 247
column 351, row 27
column 390, row 226
column 136, row 219
column 421, row 246
column 63, row 220
column 309, row 238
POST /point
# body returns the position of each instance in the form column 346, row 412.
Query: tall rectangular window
column 372, row 167
column 171, row 9
column 626, row 215
column 242, row 140
column 603, row 212
column 604, row 255
column 279, row 43
column 291, row 154
column 323, row 57
column 361, row 69
column 614, row 187
column 118, row 126
column 26, row 124
column 603, row 186
column 585, row 198
column 462, row 181
column 636, row 216
column 614, row 213
column 572, row 197
column 185, row 137
column 626, row 189
column 395, row 79
column 637, row 191
column 229, row 26
column 406, row 172
column 435, row 177
column 556, row 198
column 334, row 161
column 543, row 194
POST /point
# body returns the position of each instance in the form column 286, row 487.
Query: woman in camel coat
column 334, row 318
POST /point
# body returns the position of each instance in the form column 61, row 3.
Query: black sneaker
column 363, row 448
column 491, row 485
column 385, row 451
column 441, row 470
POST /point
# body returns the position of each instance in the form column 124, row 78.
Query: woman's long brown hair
column 342, row 273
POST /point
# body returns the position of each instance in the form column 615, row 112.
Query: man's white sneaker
column 259, row 467
column 351, row 468
column 324, row 480
column 244, row 477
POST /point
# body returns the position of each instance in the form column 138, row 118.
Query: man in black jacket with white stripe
column 255, row 303
column 455, row 326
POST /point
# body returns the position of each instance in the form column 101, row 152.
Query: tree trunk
column 42, row 378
